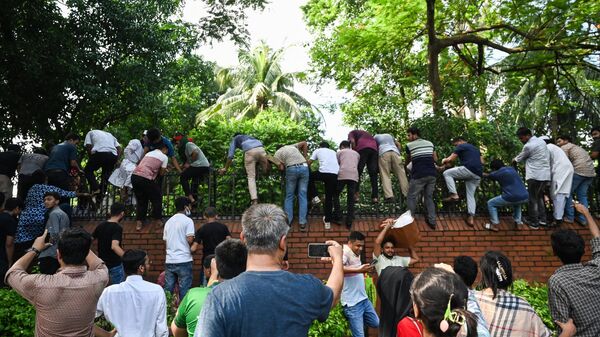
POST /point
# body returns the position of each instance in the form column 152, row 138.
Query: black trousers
column 25, row 183
column 196, row 175
column 48, row 265
column 100, row 160
column 60, row 179
column 369, row 158
column 536, row 207
column 145, row 191
column 350, row 186
column 330, row 182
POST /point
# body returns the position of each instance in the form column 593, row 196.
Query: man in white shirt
column 179, row 236
column 384, row 250
column 134, row 307
column 328, row 174
column 104, row 151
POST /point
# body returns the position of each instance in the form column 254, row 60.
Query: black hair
column 132, row 260
column 181, row 202
column 117, row 208
column 355, row 236
column 595, row 128
column 72, row 136
column 11, row 203
column 523, row 131
column 565, row 137
column 458, row 139
column 344, row 144
column 389, row 239
column 38, row 177
column 161, row 145
column 54, row 195
column 324, row 144
column 496, row 164
column 13, row 148
column 210, row 212
column 548, row 141
column 414, row 131
column 40, row 150
column 237, row 134
column 207, row 260
column 496, row 271
column 153, row 135
column 231, row 256
column 74, row 245
column 466, row 268
column 568, row 246
column 432, row 291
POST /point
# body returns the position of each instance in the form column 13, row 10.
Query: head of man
column 458, row 140
column 356, row 242
column 136, row 262
column 496, row 164
column 344, row 144
column 413, row 133
column 388, row 247
column 14, row 206
column 51, row 200
column 595, row 132
column 466, row 268
column 324, row 144
column 568, row 246
column 73, row 246
column 183, row 205
column 117, row 211
column 231, row 256
column 178, row 137
column 563, row 140
column 154, row 135
column 211, row 213
column 524, row 134
column 13, row 148
column 162, row 146
column 264, row 230
column 72, row 138
column 206, row 265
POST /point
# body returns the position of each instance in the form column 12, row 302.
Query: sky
column 280, row 25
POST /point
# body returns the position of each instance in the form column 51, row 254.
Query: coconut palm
column 258, row 83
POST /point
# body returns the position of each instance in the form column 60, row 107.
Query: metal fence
column 229, row 194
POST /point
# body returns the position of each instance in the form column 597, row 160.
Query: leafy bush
column 17, row 316
column 537, row 295
column 336, row 325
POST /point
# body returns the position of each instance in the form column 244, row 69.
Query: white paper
column 403, row 220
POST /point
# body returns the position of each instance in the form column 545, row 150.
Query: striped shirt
column 290, row 155
column 581, row 160
column 421, row 155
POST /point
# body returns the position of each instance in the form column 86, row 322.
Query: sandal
column 491, row 227
column 138, row 226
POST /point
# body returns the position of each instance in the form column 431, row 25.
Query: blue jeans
column 579, row 188
column 360, row 314
column 183, row 273
column 296, row 178
column 496, row 202
column 116, row 274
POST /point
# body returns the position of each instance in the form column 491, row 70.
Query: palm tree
column 257, row 84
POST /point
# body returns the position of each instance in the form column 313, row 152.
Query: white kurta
column 562, row 171
column 121, row 177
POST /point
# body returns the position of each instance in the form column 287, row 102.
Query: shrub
column 537, row 295
column 17, row 316
column 336, row 325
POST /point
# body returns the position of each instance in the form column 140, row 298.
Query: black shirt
column 8, row 162
column 8, row 227
column 106, row 232
column 210, row 235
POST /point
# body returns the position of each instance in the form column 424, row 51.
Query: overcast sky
column 279, row 25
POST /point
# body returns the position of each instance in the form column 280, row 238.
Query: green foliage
column 537, row 295
column 336, row 325
column 17, row 316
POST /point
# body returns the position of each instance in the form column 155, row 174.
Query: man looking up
column 470, row 172
column 384, row 250
column 134, row 307
column 229, row 261
column 72, row 292
column 110, row 235
column 355, row 303
column 266, row 297
column 179, row 236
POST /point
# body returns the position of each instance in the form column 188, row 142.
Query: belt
column 296, row 165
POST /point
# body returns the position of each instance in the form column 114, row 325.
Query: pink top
column 151, row 164
column 348, row 160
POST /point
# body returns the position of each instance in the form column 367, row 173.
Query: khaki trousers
column 391, row 162
column 251, row 158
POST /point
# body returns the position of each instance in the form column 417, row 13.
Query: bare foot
column 138, row 225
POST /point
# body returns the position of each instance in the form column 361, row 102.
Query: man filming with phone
column 385, row 248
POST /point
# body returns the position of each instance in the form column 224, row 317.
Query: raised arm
column 451, row 158
column 336, row 278
column 385, row 226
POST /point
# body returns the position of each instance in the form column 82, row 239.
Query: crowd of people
column 245, row 288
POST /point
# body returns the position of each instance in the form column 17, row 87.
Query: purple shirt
column 362, row 140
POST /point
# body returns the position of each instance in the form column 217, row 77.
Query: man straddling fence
column 104, row 151
column 328, row 174
column 195, row 168
column 366, row 146
column 390, row 162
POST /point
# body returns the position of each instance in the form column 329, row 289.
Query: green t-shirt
column 190, row 307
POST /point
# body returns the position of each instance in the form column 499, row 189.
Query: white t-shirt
column 101, row 141
column 386, row 143
column 354, row 284
column 151, row 164
column 177, row 230
column 396, row 261
column 327, row 158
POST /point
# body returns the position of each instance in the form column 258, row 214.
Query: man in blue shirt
column 470, row 172
column 514, row 193
column 62, row 158
column 254, row 153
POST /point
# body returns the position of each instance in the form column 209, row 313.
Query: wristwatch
column 33, row 249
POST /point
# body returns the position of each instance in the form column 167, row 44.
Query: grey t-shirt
column 57, row 222
column 201, row 160
column 386, row 143
column 31, row 162
column 264, row 304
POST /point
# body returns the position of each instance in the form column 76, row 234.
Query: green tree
column 257, row 84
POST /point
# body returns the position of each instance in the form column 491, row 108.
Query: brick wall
column 529, row 250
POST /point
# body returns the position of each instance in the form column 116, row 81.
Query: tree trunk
column 433, row 51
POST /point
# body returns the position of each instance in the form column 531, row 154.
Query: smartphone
column 373, row 262
column 317, row 250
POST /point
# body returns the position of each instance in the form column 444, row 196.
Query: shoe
column 316, row 200
column 303, row 227
column 451, row 199
column 543, row 224
column 470, row 221
column 375, row 200
column 555, row 223
column 349, row 226
column 390, row 200
column 491, row 227
column 531, row 224
column 567, row 220
column 431, row 225
column 138, row 225
column 326, row 223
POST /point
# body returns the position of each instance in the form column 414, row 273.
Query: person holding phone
column 384, row 252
